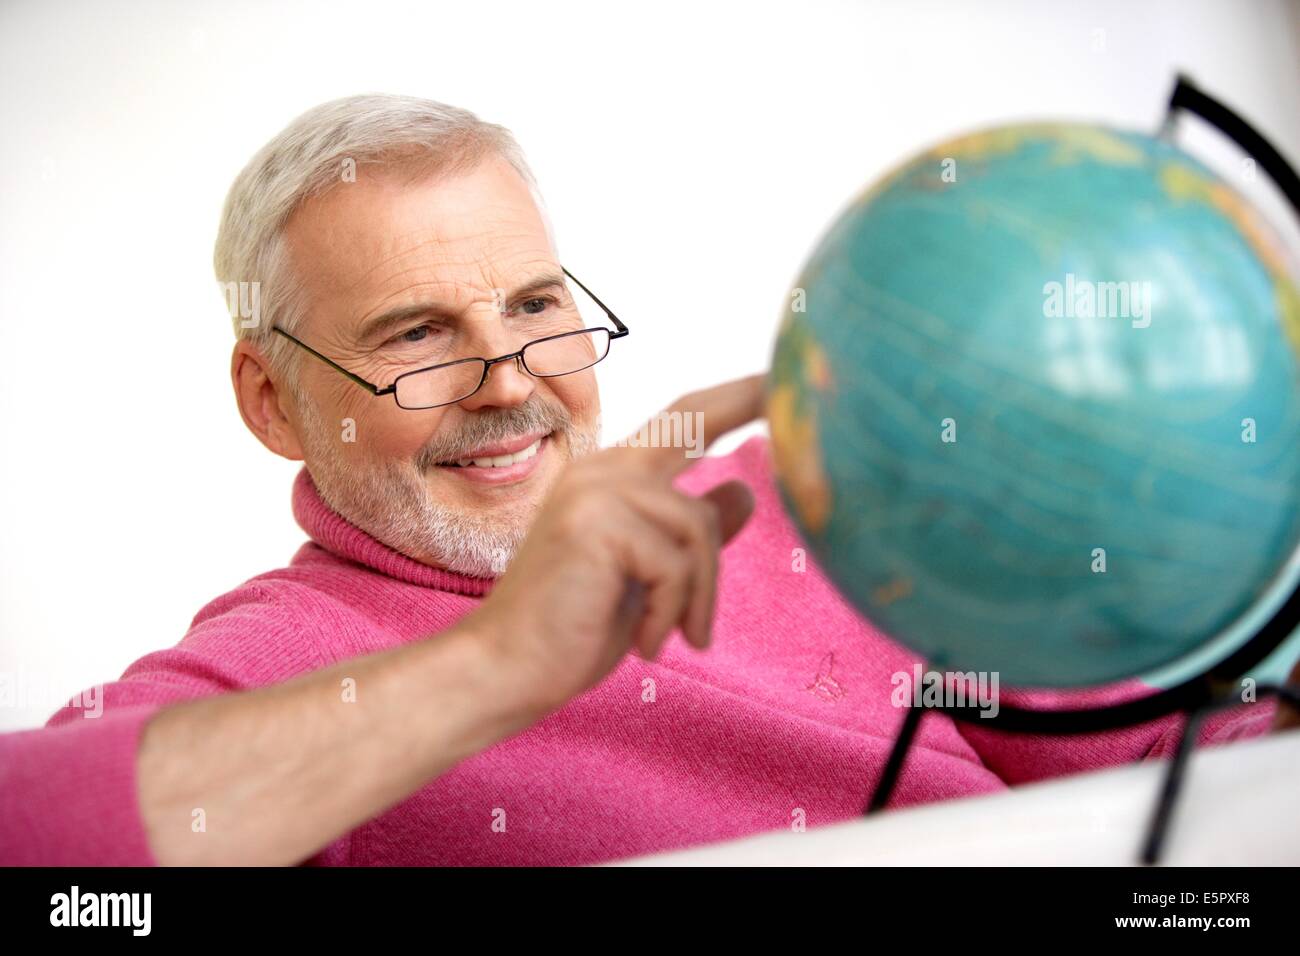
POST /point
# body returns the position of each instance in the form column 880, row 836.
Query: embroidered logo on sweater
column 825, row 685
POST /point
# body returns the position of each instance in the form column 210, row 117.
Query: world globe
column 1035, row 405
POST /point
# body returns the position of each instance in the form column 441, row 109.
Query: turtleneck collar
column 339, row 536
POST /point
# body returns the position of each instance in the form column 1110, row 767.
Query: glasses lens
column 566, row 353
column 439, row 386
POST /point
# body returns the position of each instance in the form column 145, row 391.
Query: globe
column 1035, row 405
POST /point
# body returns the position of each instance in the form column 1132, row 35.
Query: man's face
column 462, row 246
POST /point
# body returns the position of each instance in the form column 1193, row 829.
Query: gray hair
column 308, row 157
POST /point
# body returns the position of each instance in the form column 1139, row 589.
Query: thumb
column 735, row 503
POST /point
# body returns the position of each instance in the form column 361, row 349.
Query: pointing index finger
column 678, row 436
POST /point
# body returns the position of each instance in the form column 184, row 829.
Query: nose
column 507, row 385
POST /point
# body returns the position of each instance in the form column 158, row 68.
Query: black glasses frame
column 620, row 330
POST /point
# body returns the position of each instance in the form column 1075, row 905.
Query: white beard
column 390, row 500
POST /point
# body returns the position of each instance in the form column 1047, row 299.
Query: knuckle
column 577, row 512
column 674, row 566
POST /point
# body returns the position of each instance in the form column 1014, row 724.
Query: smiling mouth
column 503, row 459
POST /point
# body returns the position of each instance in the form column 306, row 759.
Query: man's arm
column 280, row 772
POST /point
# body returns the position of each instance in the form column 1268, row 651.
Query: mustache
column 491, row 426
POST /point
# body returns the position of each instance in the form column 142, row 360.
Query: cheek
column 373, row 428
column 579, row 395
column 395, row 435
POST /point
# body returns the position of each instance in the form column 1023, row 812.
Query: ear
column 262, row 404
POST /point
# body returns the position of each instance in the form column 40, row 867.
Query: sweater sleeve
column 68, row 790
column 68, row 793
column 1022, row 758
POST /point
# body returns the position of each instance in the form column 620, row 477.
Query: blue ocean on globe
column 1035, row 405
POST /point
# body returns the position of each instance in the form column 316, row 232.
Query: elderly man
column 392, row 697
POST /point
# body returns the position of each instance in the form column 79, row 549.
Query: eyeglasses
column 452, row 382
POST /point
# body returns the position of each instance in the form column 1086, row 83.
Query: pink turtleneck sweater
column 786, row 717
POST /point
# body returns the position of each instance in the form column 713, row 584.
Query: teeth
column 500, row 461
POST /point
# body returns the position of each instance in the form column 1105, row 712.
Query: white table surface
column 1239, row 805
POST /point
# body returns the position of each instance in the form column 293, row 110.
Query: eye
column 535, row 305
column 421, row 333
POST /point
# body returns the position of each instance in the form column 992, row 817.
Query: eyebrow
column 403, row 313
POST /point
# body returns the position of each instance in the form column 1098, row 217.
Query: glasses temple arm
column 369, row 386
column 622, row 329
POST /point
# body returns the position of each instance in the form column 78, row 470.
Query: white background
column 690, row 153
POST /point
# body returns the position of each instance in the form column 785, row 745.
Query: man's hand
column 617, row 558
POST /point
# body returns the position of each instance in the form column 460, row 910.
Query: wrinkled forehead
column 383, row 241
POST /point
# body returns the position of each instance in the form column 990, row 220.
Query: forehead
column 383, row 241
